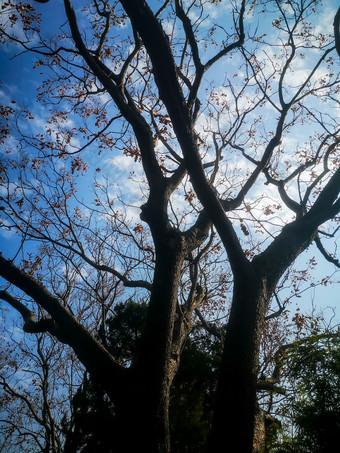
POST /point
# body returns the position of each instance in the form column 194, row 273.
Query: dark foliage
column 313, row 368
column 92, row 425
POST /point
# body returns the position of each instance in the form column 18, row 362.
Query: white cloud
column 133, row 214
column 5, row 231
column 325, row 17
column 40, row 125
column 121, row 162
column 5, row 99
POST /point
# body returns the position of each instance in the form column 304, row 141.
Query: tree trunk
column 141, row 423
column 144, row 407
column 259, row 442
column 235, row 406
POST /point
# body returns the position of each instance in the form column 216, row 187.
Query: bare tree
column 228, row 143
column 34, row 397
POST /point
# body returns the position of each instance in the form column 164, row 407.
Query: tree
column 310, row 409
column 139, row 76
column 191, row 396
column 32, row 384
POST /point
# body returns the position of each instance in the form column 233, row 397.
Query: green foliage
column 92, row 414
column 123, row 330
column 191, row 400
column 92, row 424
column 313, row 405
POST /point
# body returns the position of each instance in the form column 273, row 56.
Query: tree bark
column 144, row 409
column 234, row 415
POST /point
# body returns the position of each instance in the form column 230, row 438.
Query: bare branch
column 209, row 327
column 324, row 252
column 30, row 324
column 234, row 45
column 111, row 83
column 89, row 351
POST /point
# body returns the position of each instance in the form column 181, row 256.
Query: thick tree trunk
column 144, row 409
column 235, row 406
column 142, row 419
column 259, row 441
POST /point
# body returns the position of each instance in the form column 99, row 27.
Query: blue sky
column 20, row 82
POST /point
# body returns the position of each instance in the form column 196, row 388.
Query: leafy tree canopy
column 312, row 405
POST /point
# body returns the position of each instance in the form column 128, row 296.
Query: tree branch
column 89, row 351
column 269, row 386
column 327, row 204
column 164, row 68
column 30, row 324
column 234, row 45
column 299, row 234
column 209, row 327
column 112, row 83
column 9, row 389
column 324, row 252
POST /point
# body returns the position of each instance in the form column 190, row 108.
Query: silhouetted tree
column 231, row 136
